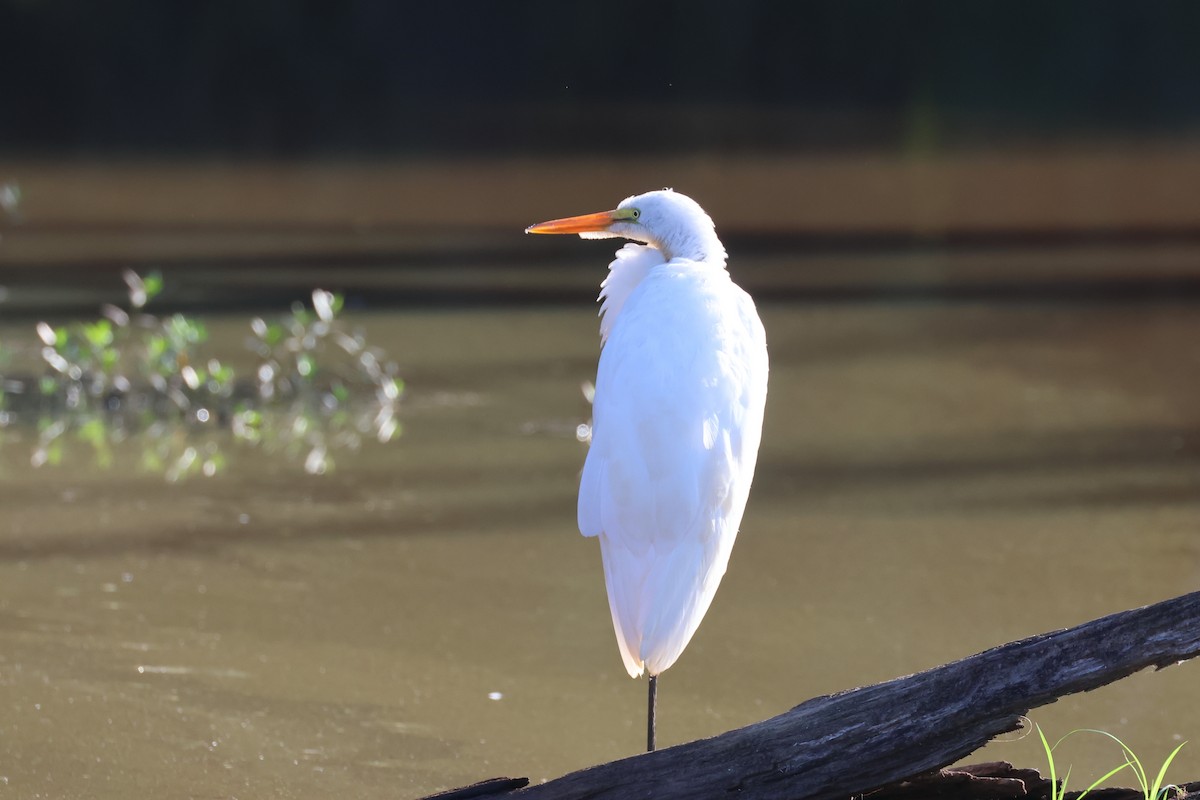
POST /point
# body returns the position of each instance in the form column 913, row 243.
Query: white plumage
column 676, row 423
column 677, row 419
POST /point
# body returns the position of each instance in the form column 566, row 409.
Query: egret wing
column 677, row 416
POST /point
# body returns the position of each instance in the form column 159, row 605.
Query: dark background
column 299, row 79
column 397, row 151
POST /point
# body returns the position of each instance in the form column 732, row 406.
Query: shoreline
column 1097, row 221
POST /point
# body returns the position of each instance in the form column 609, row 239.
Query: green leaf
column 93, row 432
column 99, row 333
column 306, row 365
column 1157, row 788
column 1102, row 779
column 185, row 330
column 1055, row 791
column 222, row 374
column 156, row 346
column 153, row 284
column 395, row 388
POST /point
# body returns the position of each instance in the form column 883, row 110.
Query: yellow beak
column 586, row 223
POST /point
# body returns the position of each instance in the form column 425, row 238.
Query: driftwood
column 894, row 733
column 999, row 780
column 993, row 780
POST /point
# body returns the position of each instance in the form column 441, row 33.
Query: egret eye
column 636, row 213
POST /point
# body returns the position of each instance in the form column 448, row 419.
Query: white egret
column 677, row 418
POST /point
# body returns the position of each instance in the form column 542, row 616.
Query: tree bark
column 859, row 740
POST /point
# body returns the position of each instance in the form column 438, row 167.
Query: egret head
column 672, row 222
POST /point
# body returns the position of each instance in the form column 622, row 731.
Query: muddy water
column 934, row 480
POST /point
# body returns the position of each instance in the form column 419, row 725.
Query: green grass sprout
column 1058, row 790
column 1150, row 790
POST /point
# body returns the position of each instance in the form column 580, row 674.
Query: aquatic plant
column 131, row 352
column 316, row 386
column 1150, row 790
column 1058, row 788
column 309, row 350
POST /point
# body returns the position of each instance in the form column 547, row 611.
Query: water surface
column 935, row 479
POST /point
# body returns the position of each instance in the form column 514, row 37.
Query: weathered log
column 860, row 740
column 993, row 780
column 999, row 780
column 1184, row 791
column 488, row 788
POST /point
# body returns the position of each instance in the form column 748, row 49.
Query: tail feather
column 623, row 577
column 657, row 601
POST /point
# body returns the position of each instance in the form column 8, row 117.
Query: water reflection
column 309, row 436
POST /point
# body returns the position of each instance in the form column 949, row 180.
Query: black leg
column 652, row 701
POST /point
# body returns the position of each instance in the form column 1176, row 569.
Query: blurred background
column 381, row 137
column 256, row 539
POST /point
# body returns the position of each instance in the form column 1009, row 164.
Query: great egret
column 677, row 418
